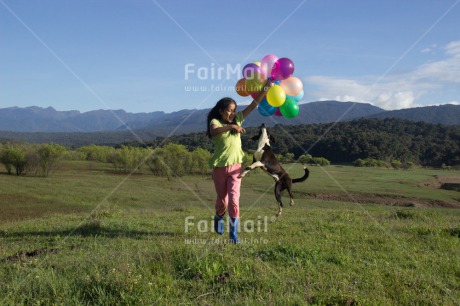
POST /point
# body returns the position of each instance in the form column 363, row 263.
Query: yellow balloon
column 276, row 96
column 257, row 63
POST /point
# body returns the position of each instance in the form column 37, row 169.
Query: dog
column 265, row 159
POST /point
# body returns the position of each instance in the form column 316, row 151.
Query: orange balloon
column 240, row 88
column 292, row 86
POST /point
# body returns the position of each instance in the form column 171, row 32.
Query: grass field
column 356, row 236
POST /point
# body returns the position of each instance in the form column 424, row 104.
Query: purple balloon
column 250, row 69
column 282, row 69
column 278, row 113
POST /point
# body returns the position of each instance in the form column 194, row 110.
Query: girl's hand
column 268, row 84
column 238, row 128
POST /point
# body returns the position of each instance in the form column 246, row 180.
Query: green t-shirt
column 227, row 147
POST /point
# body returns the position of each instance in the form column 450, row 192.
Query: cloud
column 394, row 91
column 430, row 49
column 453, row 48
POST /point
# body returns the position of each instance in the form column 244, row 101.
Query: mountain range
column 37, row 119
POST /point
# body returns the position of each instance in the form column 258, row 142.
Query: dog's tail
column 304, row 177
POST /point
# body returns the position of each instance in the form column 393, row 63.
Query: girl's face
column 228, row 114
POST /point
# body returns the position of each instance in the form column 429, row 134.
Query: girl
column 224, row 126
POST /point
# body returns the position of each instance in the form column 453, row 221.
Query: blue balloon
column 266, row 109
column 296, row 98
column 277, row 82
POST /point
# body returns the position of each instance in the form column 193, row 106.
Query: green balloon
column 290, row 108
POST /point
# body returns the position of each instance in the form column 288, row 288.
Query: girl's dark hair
column 214, row 113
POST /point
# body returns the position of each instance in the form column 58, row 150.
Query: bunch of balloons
column 283, row 96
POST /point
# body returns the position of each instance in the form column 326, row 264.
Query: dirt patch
column 443, row 182
column 384, row 199
column 448, row 179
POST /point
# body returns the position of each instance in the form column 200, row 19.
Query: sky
column 158, row 55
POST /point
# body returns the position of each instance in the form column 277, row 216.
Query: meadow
column 87, row 235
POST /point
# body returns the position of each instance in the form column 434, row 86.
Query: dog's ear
column 272, row 139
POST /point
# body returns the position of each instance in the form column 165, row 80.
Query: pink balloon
column 278, row 113
column 282, row 69
column 292, row 86
column 267, row 63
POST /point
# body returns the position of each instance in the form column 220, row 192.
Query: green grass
column 87, row 236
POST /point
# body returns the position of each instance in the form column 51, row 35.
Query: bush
column 305, row 158
column 369, row 162
column 321, row 161
column 97, row 153
column 128, row 159
column 171, row 160
column 201, row 159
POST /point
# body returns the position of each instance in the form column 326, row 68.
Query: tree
column 201, row 159
column 48, row 156
column 14, row 156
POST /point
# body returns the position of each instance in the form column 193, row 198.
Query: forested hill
column 444, row 114
column 36, row 119
column 383, row 139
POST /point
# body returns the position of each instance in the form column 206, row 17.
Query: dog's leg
column 250, row 168
column 278, row 198
column 292, row 202
column 290, row 195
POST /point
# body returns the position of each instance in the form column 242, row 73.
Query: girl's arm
column 219, row 130
column 257, row 100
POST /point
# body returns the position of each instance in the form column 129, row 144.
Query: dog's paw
column 242, row 174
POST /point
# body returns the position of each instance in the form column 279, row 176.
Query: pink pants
column 227, row 186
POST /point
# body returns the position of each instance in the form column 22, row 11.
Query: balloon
column 282, row 69
column 255, row 83
column 296, row 98
column 292, row 86
column 276, row 96
column 240, row 88
column 266, row 109
column 267, row 63
column 250, row 69
column 289, row 109
column 258, row 64
column 278, row 113
column 277, row 82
